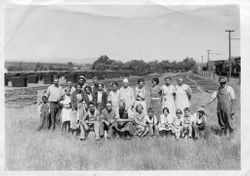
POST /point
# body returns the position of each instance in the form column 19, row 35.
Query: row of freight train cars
column 22, row 79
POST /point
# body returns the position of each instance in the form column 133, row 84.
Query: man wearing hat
column 199, row 123
column 127, row 95
column 82, row 81
column 226, row 105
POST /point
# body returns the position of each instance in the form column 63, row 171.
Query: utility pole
column 208, row 64
column 229, row 58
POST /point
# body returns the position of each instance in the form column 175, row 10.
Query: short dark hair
column 140, row 80
column 114, row 83
column 168, row 77
column 101, row 84
column 165, row 109
column 155, row 80
column 87, row 87
column 186, row 109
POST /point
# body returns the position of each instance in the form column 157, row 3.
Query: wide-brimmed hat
column 201, row 110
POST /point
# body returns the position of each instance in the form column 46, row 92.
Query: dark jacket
column 104, row 101
column 74, row 99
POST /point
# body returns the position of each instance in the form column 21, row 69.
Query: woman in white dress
column 168, row 93
column 182, row 95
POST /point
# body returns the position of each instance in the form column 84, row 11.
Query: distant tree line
column 140, row 66
column 22, row 66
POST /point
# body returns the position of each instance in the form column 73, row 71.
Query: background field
column 28, row 149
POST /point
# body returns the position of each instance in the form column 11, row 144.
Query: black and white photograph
column 122, row 87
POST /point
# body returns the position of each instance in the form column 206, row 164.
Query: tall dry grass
column 28, row 149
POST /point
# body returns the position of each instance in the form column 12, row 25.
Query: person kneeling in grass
column 152, row 122
column 166, row 121
column 91, row 122
column 177, row 124
column 199, row 124
column 142, row 127
column 107, row 119
column 187, row 124
column 124, row 123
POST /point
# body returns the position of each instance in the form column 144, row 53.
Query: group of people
column 123, row 112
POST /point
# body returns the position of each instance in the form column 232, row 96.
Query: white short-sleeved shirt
column 153, row 120
column 230, row 91
column 164, row 119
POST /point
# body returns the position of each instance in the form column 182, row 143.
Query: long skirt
column 73, row 120
column 155, row 104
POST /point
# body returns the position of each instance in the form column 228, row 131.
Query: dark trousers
column 54, row 109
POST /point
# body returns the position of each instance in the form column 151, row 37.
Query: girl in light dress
column 165, row 124
column 142, row 127
column 66, row 112
column 168, row 95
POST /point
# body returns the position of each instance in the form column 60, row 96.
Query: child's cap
column 201, row 110
column 186, row 109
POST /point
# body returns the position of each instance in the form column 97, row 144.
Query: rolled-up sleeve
column 214, row 95
column 231, row 92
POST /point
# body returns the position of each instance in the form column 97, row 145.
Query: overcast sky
column 77, row 33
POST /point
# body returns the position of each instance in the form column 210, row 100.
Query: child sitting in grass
column 165, row 124
column 140, row 121
column 66, row 111
column 187, row 124
column 152, row 122
column 44, row 111
column 199, row 123
column 177, row 124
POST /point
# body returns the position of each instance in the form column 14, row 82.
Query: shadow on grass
column 214, row 129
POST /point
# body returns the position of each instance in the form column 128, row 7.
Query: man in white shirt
column 54, row 94
column 225, row 107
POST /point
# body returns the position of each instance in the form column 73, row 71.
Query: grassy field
column 28, row 149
